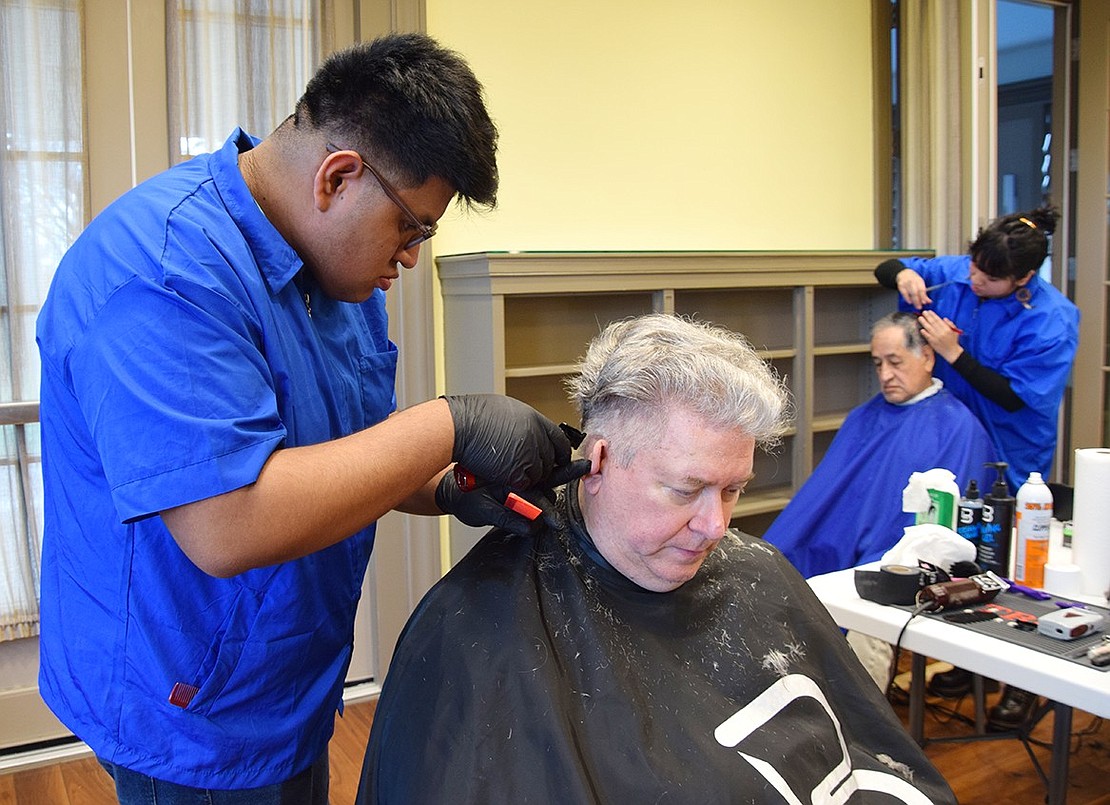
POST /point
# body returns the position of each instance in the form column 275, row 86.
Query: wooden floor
column 981, row 773
column 987, row 772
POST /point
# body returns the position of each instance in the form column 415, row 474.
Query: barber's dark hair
column 411, row 107
column 1013, row 245
column 910, row 326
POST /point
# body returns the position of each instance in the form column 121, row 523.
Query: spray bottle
column 1032, row 523
column 996, row 534
column 969, row 514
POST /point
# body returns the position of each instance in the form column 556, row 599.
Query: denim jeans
column 310, row 787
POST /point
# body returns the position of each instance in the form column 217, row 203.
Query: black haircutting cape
column 535, row 673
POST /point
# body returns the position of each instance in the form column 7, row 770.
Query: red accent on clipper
column 516, row 503
column 465, row 479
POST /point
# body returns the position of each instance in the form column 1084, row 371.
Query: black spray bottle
column 969, row 515
column 996, row 532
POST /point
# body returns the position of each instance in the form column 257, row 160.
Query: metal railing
column 19, row 413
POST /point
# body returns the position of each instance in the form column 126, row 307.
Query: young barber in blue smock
column 1006, row 336
column 219, row 433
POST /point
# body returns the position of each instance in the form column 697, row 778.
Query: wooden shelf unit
column 516, row 323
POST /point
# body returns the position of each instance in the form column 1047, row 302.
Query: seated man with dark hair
column 641, row 651
column 849, row 511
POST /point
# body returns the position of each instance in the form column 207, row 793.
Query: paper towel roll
column 1063, row 579
column 1091, row 519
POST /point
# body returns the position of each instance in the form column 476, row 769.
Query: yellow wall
column 670, row 124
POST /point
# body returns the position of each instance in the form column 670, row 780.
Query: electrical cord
column 952, row 714
column 898, row 643
column 944, row 715
column 1092, row 729
column 1076, row 735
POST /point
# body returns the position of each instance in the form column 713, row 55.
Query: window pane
column 42, row 171
column 42, row 210
column 237, row 63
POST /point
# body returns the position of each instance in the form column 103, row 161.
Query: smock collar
column 935, row 386
column 277, row 261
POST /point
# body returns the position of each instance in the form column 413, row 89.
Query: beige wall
column 670, row 124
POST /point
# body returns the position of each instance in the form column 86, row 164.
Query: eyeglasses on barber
column 423, row 230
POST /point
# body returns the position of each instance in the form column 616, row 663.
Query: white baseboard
column 28, row 703
column 32, row 758
column 361, row 692
column 27, row 719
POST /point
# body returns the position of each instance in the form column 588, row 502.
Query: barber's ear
column 333, row 176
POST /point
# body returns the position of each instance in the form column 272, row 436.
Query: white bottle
column 1032, row 526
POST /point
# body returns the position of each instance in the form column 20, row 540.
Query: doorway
column 1034, row 87
column 1025, row 94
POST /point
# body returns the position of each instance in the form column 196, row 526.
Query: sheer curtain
column 42, row 209
column 229, row 63
column 938, row 98
column 238, row 63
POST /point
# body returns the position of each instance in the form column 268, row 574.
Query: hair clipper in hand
column 468, row 482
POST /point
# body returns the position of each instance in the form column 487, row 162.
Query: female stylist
column 1007, row 337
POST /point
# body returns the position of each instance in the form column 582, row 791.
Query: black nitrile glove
column 505, row 442
column 485, row 506
column 480, row 507
column 546, row 490
column 566, row 473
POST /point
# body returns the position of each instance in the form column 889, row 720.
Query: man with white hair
column 641, row 651
column 849, row 511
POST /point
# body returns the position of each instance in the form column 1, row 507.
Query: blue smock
column 1031, row 346
column 178, row 354
column 849, row 510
